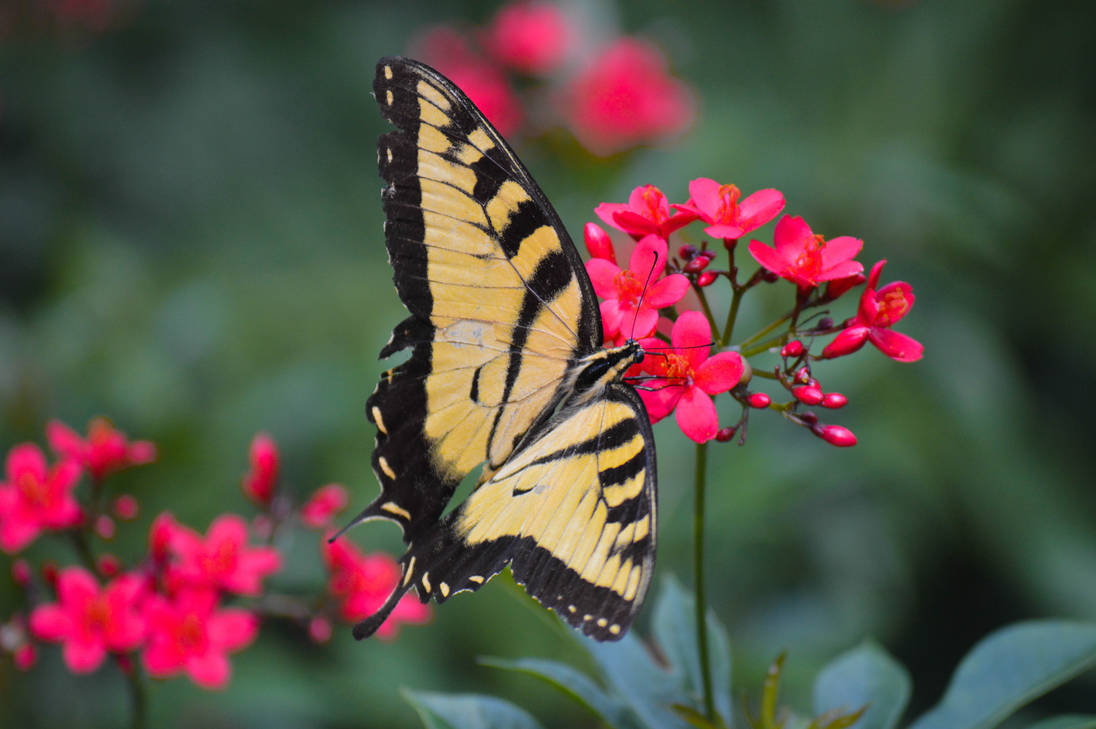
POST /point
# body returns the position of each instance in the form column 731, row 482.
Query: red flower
column 625, row 97
column 189, row 634
column 364, row 582
column 726, row 216
column 647, row 211
column 328, row 501
column 530, row 36
column 690, row 375
column 258, row 483
column 223, row 558
column 878, row 311
column 91, row 621
column 448, row 51
column 621, row 290
column 161, row 535
column 807, row 259
column 106, row 449
column 35, row 497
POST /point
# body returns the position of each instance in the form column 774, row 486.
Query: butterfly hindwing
column 500, row 304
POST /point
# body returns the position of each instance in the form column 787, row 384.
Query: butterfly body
column 506, row 373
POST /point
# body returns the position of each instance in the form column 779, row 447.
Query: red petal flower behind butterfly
column 689, row 377
column 328, row 501
column 259, row 482
column 625, row 97
column 879, row 310
column 223, row 559
column 35, row 497
column 621, row 290
column 728, row 217
column 106, row 449
column 187, row 633
column 364, row 581
column 449, row 52
column 805, row 258
column 647, row 211
column 532, row 37
column 91, row 621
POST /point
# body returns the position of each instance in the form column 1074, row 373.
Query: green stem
column 698, row 577
column 137, row 693
column 759, row 348
column 732, row 316
column 707, row 311
column 767, row 330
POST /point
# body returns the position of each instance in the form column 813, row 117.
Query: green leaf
column 467, row 711
column 1010, row 668
column 865, row 675
column 1066, row 722
column 675, row 630
column 695, row 718
column 648, row 689
column 575, row 684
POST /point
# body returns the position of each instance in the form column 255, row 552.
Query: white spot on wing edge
column 379, row 421
column 388, row 72
column 444, row 589
column 410, row 571
column 393, row 508
column 478, row 579
column 425, row 579
column 386, row 468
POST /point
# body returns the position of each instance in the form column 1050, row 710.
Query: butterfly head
column 598, row 370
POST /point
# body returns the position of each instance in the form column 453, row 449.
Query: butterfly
column 506, row 374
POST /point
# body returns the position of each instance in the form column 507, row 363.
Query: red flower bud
column 759, row 400
column 725, row 434
column 319, row 629
column 104, row 527
column 807, row 394
column 698, row 264
column 835, row 435
column 834, row 400
column 803, row 375
column 707, row 278
column 125, row 507
column 808, row 417
column 49, row 573
column 21, row 572
column 25, row 656
column 730, row 243
column 598, row 242
column 108, row 565
column 793, row 348
column 258, row 482
column 687, row 252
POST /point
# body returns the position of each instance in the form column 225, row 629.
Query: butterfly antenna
column 635, row 317
column 670, row 346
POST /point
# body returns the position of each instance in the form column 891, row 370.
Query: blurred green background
column 190, row 243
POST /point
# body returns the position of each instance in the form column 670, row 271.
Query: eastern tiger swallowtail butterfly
column 506, row 370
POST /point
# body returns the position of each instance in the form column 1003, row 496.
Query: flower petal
column 704, row 194
column 16, row 533
column 603, row 275
column 667, row 291
column 611, row 317
column 642, row 324
column 84, row 656
column 634, row 223
column 719, row 372
column 660, row 402
column 696, row 415
column 227, row 529
column 65, row 441
column 26, row 458
column 790, row 234
column 876, row 270
column 692, row 337
column 896, row 345
column 606, row 211
column 50, row 622
column 732, row 232
column 842, row 248
column 841, row 270
column 649, row 258
column 76, row 586
column 162, row 658
column 210, row 670
column 759, row 208
column 769, row 258
column 232, row 629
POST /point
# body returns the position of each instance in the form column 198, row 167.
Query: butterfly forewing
column 502, row 314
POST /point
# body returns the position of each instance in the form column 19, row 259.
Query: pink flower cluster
column 192, row 598
column 660, row 300
column 616, row 98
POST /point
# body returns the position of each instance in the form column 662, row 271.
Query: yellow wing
column 500, row 302
column 573, row 512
